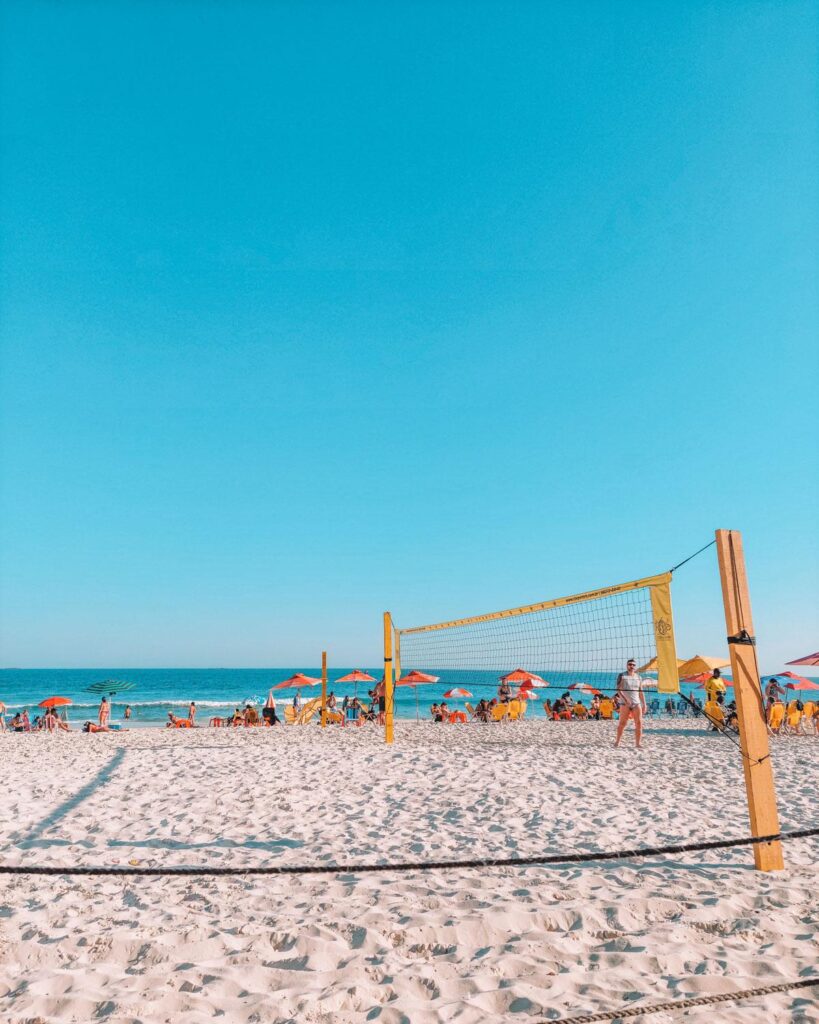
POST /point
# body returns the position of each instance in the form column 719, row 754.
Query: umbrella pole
column 417, row 708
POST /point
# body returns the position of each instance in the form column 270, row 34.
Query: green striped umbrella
column 110, row 686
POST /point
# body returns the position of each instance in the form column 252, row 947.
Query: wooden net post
column 753, row 732
column 324, row 689
column 388, row 687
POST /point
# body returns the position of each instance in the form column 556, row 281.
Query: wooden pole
column 324, row 689
column 388, row 689
column 753, row 731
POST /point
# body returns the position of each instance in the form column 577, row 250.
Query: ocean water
column 219, row 691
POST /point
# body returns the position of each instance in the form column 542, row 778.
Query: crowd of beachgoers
column 627, row 699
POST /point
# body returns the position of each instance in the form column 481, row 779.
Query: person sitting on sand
column 482, row 710
column 594, row 707
column 579, row 710
column 237, row 718
column 93, row 727
column 435, row 711
column 331, row 701
column 269, row 710
column 251, row 715
column 50, row 720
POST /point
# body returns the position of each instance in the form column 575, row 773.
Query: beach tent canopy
column 55, row 702
column 520, row 675
column 110, row 686
column 809, row 659
column 699, row 663
column 416, row 678
column 297, row 681
column 357, row 676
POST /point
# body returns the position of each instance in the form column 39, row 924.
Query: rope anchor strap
column 683, row 1004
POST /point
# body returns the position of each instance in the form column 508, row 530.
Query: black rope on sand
column 435, row 865
column 682, row 1004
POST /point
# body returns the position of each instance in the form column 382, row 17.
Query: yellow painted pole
column 388, row 689
column 753, row 732
column 324, row 689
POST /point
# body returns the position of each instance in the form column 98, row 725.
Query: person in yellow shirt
column 714, row 686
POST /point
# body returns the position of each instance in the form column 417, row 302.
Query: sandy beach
column 486, row 945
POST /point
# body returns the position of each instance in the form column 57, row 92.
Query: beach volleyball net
column 584, row 638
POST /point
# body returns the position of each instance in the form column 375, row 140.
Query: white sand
column 469, row 946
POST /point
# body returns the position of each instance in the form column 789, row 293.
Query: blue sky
column 312, row 310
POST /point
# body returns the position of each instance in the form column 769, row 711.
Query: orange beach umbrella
column 55, row 702
column 457, row 691
column 357, row 676
column 585, row 687
column 297, row 681
column 416, row 679
column 797, row 682
column 520, row 675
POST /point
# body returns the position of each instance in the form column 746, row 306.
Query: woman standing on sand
column 104, row 713
column 192, row 714
column 2, row 717
column 632, row 702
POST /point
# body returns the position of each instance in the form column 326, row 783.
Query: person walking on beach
column 632, row 702
column 104, row 713
column 192, row 714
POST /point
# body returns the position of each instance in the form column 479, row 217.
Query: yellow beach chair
column 289, row 714
column 776, row 716
column 309, row 709
column 500, row 712
column 606, row 708
column 809, row 716
column 515, row 711
column 793, row 720
column 715, row 714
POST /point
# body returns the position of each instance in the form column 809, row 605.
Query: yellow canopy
column 694, row 666
column 651, row 666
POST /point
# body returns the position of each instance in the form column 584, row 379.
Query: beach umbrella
column 654, row 665
column 535, row 683
column 809, row 659
column 111, row 687
column 585, row 687
column 525, row 693
column 55, row 702
column 522, row 677
column 296, row 682
column 457, row 691
column 798, row 682
column 699, row 664
column 416, row 679
column 356, row 676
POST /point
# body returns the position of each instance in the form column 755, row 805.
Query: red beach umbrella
column 809, row 659
column 524, row 678
column 297, row 681
column 55, row 702
column 525, row 693
column 799, row 682
column 457, row 691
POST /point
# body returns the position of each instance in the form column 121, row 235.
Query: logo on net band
column 662, row 627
